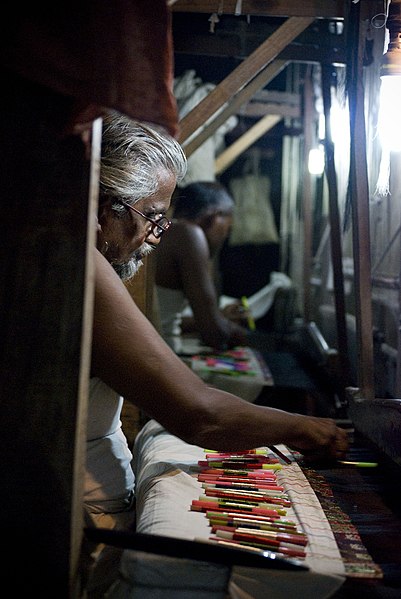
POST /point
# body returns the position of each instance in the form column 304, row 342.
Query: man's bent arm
column 130, row 356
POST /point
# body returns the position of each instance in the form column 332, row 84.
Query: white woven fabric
column 165, row 470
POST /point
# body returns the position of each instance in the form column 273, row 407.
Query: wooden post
column 335, row 231
column 45, row 340
column 309, row 112
column 359, row 196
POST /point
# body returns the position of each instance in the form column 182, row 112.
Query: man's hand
column 320, row 439
column 236, row 313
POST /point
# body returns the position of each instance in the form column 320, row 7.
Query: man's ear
column 104, row 208
column 102, row 216
column 105, row 212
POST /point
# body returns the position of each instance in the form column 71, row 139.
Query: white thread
column 383, row 181
column 238, row 8
column 213, row 19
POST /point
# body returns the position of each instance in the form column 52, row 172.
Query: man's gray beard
column 129, row 269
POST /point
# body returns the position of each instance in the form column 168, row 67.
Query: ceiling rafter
column 241, row 76
column 325, row 9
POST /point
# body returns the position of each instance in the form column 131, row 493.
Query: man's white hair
column 133, row 154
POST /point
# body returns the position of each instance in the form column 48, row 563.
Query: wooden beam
column 335, row 232
column 359, row 195
column 242, row 75
column 274, row 95
column 85, row 369
column 264, row 77
column 229, row 155
column 46, row 325
column 378, row 420
column 313, row 49
column 309, row 118
column 258, row 109
column 280, row 8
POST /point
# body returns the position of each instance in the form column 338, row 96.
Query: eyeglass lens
column 161, row 226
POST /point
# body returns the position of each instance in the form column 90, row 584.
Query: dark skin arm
column 131, row 357
column 183, row 262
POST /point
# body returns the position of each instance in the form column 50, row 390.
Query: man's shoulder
column 185, row 225
column 187, row 231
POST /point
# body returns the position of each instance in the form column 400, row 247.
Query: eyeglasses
column 159, row 226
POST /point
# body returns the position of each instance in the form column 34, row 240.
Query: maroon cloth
column 104, row 53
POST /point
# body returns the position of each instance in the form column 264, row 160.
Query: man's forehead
column 154, row 203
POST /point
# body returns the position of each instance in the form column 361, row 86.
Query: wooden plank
column 279, row 8
column 229, row 155
column 265, row 76
column 45, row 341
column 276, row 96
column 335, row 232
column 359, row 190
column 258, row 109
column 397, row 391
column 84, row 374
column 222, row 44
column 378, row 420
column 309, row 118
column 242, row 75
column 141, row 289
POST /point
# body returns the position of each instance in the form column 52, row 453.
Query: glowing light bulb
column 389, row 120
column 316, row 160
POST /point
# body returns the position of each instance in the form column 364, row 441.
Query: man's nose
column 151, row 239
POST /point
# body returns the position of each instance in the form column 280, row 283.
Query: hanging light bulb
column 389, row 122
column 391, row 62
column 390, row 75
column 389, row 114
column 316, row 160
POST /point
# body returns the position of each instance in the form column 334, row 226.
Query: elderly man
column 140, row 167
column 139, row 171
